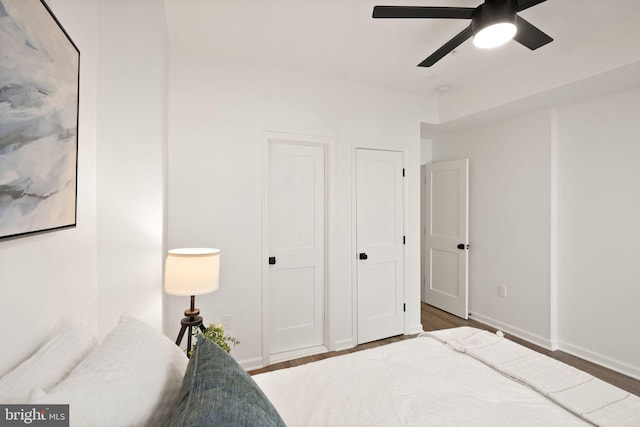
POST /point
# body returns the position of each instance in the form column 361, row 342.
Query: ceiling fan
column 493, row 23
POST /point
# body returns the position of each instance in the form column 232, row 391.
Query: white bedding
column 416, row 382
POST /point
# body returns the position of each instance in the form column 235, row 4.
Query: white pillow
column 48, row 365
column 132, row 378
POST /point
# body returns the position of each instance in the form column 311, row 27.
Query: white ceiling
column 338, row 38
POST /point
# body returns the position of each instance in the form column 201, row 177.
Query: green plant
column 216, row 334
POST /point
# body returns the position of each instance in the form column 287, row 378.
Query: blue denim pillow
column 216, row 391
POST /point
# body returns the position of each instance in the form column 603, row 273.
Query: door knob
column 363, row 255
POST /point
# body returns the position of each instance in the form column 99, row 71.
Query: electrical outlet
column 502, row 291
column 226, row 322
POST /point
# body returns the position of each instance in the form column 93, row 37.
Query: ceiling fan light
column 494, row 35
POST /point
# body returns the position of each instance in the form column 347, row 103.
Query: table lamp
column 191, row 271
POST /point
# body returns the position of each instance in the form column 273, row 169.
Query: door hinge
column 402, row 171
column 404, row 307
column 404, row 240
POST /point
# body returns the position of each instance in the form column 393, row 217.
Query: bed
column 463, row 376
column 138, row 377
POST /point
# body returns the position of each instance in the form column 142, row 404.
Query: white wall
column 509, row 225
column 574, row 167
column 132, row 106
column 111, row 263
column 49, row 279
column 599, row 229
column 218, row 111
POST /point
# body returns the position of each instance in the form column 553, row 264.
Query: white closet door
column 296, row 245
column 379, row 236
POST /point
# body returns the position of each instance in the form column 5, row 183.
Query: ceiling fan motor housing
column 494, row 12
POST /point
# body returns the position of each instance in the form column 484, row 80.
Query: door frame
column 329, row 146
column 354, row 220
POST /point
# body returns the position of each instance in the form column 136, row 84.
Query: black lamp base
column 191, row 320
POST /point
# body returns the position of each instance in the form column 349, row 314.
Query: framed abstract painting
column 39, row 96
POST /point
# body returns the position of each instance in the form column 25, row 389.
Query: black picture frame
column 39, row 117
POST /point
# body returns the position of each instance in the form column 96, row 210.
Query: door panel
column 293, row 284
column 445, row 221
column 296, row 238
column 379, row 235
column 444, row 272
column 446, row 227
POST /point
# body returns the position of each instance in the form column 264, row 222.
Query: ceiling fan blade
column 529, row 35
column 422, row 12
column 447, row 47
column 526, row 4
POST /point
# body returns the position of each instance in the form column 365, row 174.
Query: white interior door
column 296, row 246
column 379, row 237
column 447, row 236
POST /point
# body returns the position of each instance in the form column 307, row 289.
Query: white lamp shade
column 191, row 271
column 494, row 35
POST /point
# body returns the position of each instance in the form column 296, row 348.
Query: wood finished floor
column 434, row 319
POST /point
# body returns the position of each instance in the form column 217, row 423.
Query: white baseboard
column 588, row 355
column 510, row 329
column 414, row 329
column 607, row 362
column 344, row 344
column 296, row 354
column 257, row 363
column 251, row 364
